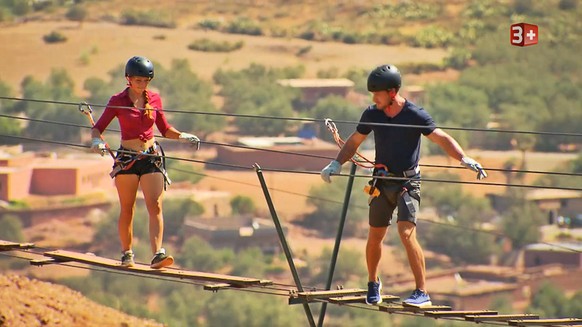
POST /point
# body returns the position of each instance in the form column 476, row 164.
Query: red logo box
column 523, row 34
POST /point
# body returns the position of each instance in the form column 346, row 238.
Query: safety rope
column 358, row 159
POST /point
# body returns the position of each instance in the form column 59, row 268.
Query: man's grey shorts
column 382, row 207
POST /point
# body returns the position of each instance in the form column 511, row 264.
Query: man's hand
column 474, row 166
column 98, row 146
column 193, row 139
column 334, row 167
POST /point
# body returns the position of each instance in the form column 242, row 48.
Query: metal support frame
column 283, row 240
column 338, row 239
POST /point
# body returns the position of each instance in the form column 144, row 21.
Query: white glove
column 474, row 166
column 193, row 139
column 334, row 167
column 98, row 146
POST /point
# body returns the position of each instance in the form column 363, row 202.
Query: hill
column 95, row 49
column 29, row 302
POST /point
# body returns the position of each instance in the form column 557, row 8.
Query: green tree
column 465, row 214
column 575, row 307
column 327, row 201
column 243, row 309
column 198, row 254
column 338, row 109
column 458, row 105
column 59, row 87
column 254, row 91
column 522, row 221
column 549, row 301
column 242, row 205
column 249, row 262
column 350, row 264
column 175, row 213
column 77, row 13
column 183, row 91
column 11, row 228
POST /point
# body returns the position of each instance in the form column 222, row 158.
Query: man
column 397, row 155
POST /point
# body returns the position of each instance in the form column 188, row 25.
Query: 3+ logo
column 523, row 34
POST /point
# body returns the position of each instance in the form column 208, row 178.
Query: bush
column 54, row 37
column 568, row 4
column 208, row 45
column 209, row 24
column 244, row 25
column 242, row 205
column 432, row 37
column 77, row 13
column 147, row 18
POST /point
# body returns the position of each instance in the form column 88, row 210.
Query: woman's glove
column 193, row 139
column 98, row 145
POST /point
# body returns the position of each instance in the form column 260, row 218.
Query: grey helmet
column 139, row 66
column 383, row 78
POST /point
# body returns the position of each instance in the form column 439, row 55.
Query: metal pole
column 284, row 244
column 338, row 238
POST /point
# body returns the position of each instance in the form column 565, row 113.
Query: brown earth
column 106, row 46
column 28, row 302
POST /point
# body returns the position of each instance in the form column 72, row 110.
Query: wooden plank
column 361, row 299
column 461, row 313
column 330, row 293
column 547, row 322
column 307, row 297
column 216, row 287
column 9, row 246
column 235, row 281
column 42, row 262
column 507, row 317
column 390, row 308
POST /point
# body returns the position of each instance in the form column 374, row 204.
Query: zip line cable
column 206, row 113
column 285, row 152
column 322, row 199
column 234, row 166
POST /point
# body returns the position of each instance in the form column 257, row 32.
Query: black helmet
column 139, row 66
column 383, row 78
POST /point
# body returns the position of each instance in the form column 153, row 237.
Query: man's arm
column 447, row 143
column 350, row 147
column 454, row 150
column 346, row 153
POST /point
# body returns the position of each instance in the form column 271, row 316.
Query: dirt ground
column 106, row 46
column 28, row 302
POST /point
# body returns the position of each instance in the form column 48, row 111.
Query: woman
column 138, row 162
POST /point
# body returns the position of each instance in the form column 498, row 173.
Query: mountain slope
column 29, row 302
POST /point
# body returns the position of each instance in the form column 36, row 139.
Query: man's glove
column 98, row 146
column 474, row 166
column 193, row 139
column 334, row 167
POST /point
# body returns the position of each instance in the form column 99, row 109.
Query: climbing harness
column 379, row 170
column 126, row 158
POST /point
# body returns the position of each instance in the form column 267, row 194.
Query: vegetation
column 208, row 45
column 242, row 205
column 153, row 18
column 54, row 37
column 536, row 88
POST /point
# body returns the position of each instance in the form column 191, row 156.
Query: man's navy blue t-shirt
column 397, row 147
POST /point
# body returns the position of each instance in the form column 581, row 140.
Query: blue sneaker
column 418, row 298
column 374, row 293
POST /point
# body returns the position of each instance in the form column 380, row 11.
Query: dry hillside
column 28, row 302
